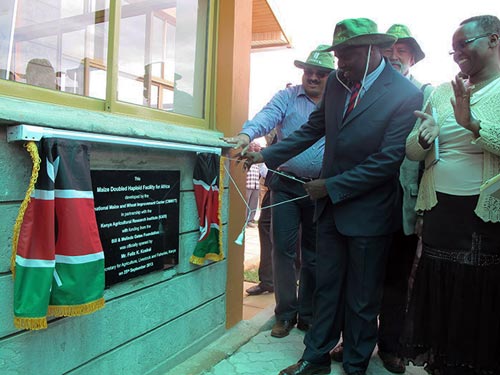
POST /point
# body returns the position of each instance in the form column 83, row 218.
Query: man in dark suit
column 402, row 258
column 366, row 114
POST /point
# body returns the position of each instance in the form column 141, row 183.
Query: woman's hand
column 461, row 106
column 428, row 130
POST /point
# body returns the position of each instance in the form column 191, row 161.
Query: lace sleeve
column 414, row 150
column 489, row 139
column 488, row 112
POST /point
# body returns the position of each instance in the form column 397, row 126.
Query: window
column 55, row 44
column 161, row 53
column 160, row 45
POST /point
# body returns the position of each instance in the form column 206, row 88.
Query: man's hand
column 428, row 130
column 316, row 189
column 240, row 141
column 251, row 158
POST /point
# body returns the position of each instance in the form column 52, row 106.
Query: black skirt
column 453, row 317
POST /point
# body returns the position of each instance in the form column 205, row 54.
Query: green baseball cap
column 354, row 32
column 318, row 59
column 403, row 34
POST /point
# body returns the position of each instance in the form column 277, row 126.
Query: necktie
column 354, row 94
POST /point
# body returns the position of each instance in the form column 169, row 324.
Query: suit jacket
column 363, row 153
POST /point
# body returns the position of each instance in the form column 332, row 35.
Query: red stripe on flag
column 77, row 227
column 207, row 203
column 37, row 234
column 201, row 195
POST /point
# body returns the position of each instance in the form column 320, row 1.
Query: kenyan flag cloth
column 59, row 262
column 206, row 177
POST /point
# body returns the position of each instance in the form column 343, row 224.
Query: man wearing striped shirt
column 254, row 174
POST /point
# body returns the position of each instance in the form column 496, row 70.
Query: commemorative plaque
column 137, row 215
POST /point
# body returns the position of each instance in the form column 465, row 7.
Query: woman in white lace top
column 453, row 323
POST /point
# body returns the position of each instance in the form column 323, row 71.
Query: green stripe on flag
column 208, row 249
column 76, row 286
column 32, row 291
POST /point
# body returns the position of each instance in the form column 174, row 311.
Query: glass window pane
column 95, row 88
column 154, row 96
column 167, row 99
column 55, row 44
column 163, row 50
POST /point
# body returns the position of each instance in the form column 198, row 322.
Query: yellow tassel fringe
column 201, row 261
column 220, row 256
column 215, row 257
column 30, row 323
column 66, row 310
column 35, row 158
column 76, row 310
column 197, row 260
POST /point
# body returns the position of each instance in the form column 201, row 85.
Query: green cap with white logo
column 403, row 34
column 318, row 60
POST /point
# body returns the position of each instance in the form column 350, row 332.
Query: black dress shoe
column 259, row 289
column 392, row 362
column 282, row 328
column 337, row 354
column 306, row 368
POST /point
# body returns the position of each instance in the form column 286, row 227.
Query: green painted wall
column 150, row 323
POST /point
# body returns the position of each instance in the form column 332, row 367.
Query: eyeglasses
column 464, row 43
column 319, row 73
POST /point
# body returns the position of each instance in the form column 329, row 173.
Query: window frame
column 111, row 104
